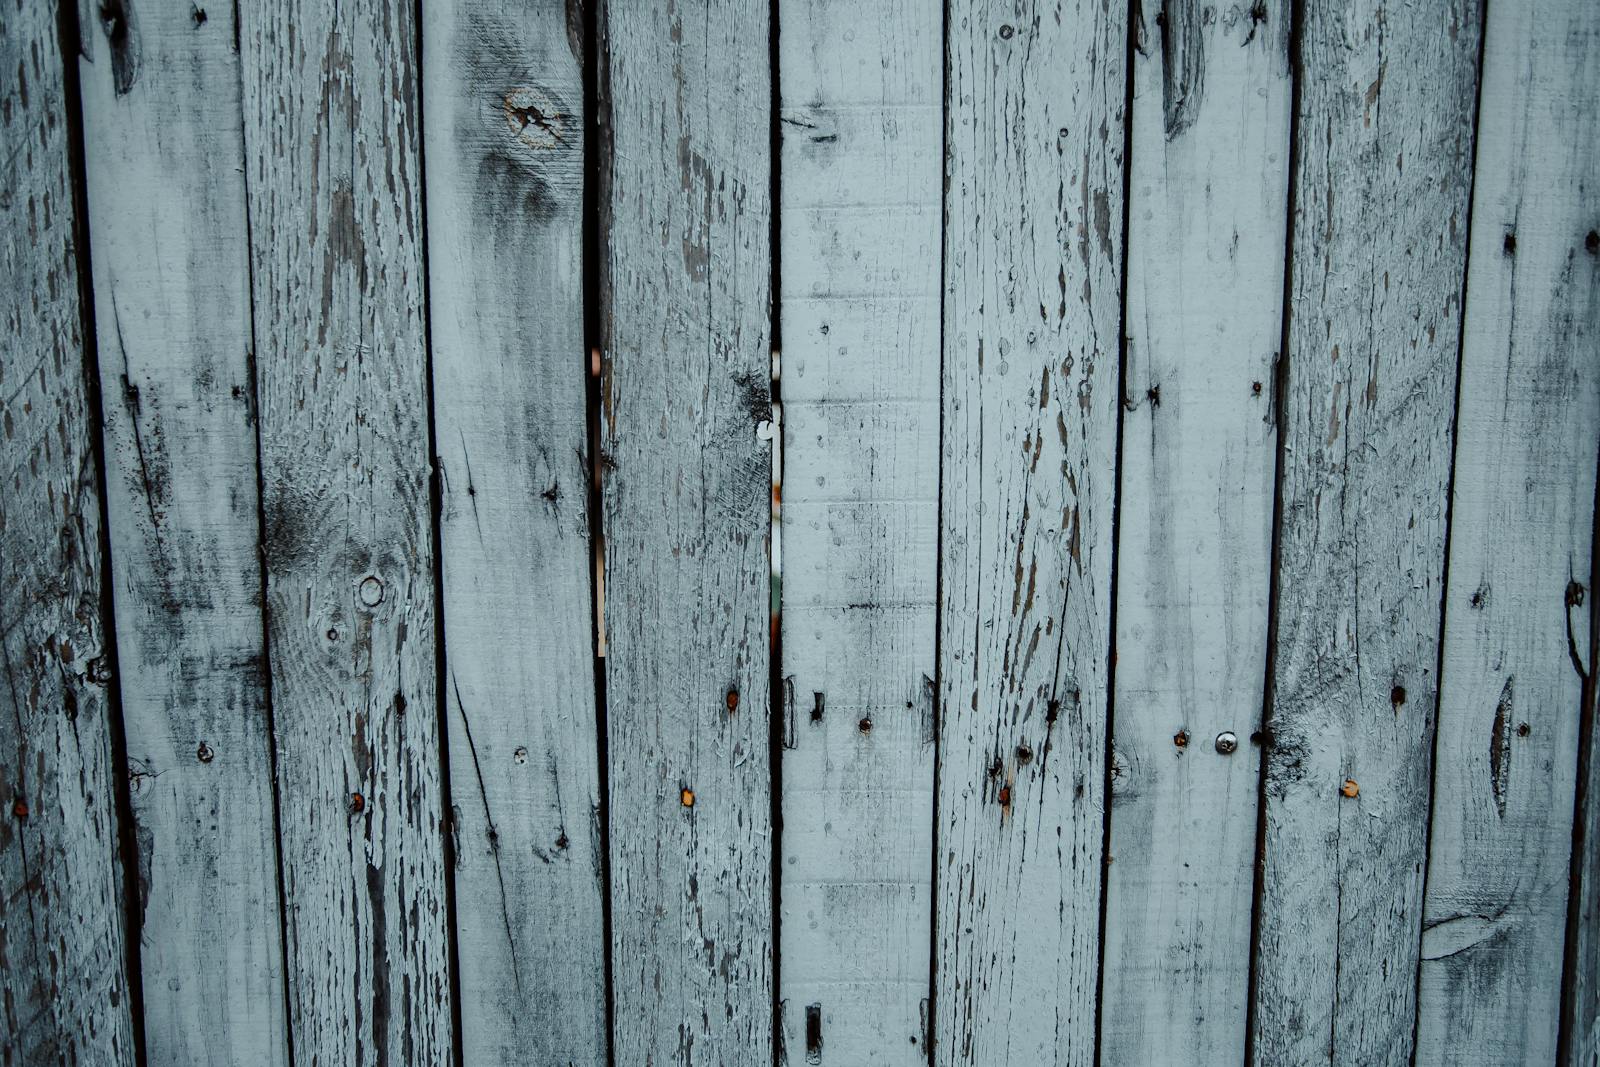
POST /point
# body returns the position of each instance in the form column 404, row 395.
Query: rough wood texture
column 1033, row 249
column 861, row 92
column 1205, row 278
column 331, row 147
column 164, row 155
column 505, row 152
column 63, row 981
column 1522, row 532
column 685, row 393
column 1384, row 150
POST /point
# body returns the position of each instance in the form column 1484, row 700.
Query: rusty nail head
column 686, row 798
column 1181, row 739
column 1350, row 788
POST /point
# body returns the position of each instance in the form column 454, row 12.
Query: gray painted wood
column 331, row 138
column 503, row 122
column 861, row 95
column 1522, row 534
column 1032, row 310
column 63, row 981
column 685, row 392
column 1384, row 150
column 164, row 157
column 1207, row 207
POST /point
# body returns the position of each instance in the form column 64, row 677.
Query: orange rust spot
column 1005, row 796
column 1350, row 788
column 733, row 700
column 19, row 808
column 1181, row 739
column 357, row 802
column 686, row 798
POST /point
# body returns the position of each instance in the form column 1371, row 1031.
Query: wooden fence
column 1182, row 650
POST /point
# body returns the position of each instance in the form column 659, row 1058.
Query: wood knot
column 533, row 117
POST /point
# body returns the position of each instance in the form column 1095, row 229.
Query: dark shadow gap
column 1449, row 527
column 447, row 822
column 1280, row 396
column 1130, row 46
column 597, row 142
column 127, row 842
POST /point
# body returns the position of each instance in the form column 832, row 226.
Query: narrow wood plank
column 503, row 123
column 1032, row 304
column 331, row 138
column 164, row 156
column 63, row 964
column 1384, row 149
column 686, row 391
column 1208, row 194
column 1522, row 534
column 861, row 178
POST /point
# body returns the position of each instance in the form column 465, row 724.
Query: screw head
column 1227, row 742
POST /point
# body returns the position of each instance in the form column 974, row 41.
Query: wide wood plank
column 861, row 103
column 63, row 964
column 164, row 155
column 1032, row 306
column 1380, row 191
column 1521, row 540
column 686, row 304
column 331, row 138
column 503, row 123
column 1207, row 207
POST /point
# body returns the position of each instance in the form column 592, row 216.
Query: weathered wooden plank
column 685, row 384
column 1522, row 533
column 164, row 153
column 1380, row 192
column 1208, row 193
column 63, row 964
column 861, row 171
column 1033, row 250
column 331, row 144
column 503, row 122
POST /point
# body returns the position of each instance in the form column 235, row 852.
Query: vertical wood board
column 686, row 383
column 1386, row 107
column 1032, row 322
column 331, row 138
column 504, row 126
column 1208, row 190
column 164, row 156
column 861, row 94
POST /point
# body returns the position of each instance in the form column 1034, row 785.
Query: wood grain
column 1032, row 320
column 64, row 992
column 505, row 156
column 331, row 139
column 861, row 94
column 1207, row 208
column 1384, row 141
column 164, row 155
column 686, row 307
column 1522, row 534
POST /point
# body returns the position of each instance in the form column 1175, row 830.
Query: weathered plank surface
column 1207, row 203
column 685, row 391
column 1522, row 532
column 163, row 155
column 1381, row 185
column 1033, row 250
column 63, row 980
column 331, row 143
column 861, row 170
column 503, row 94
